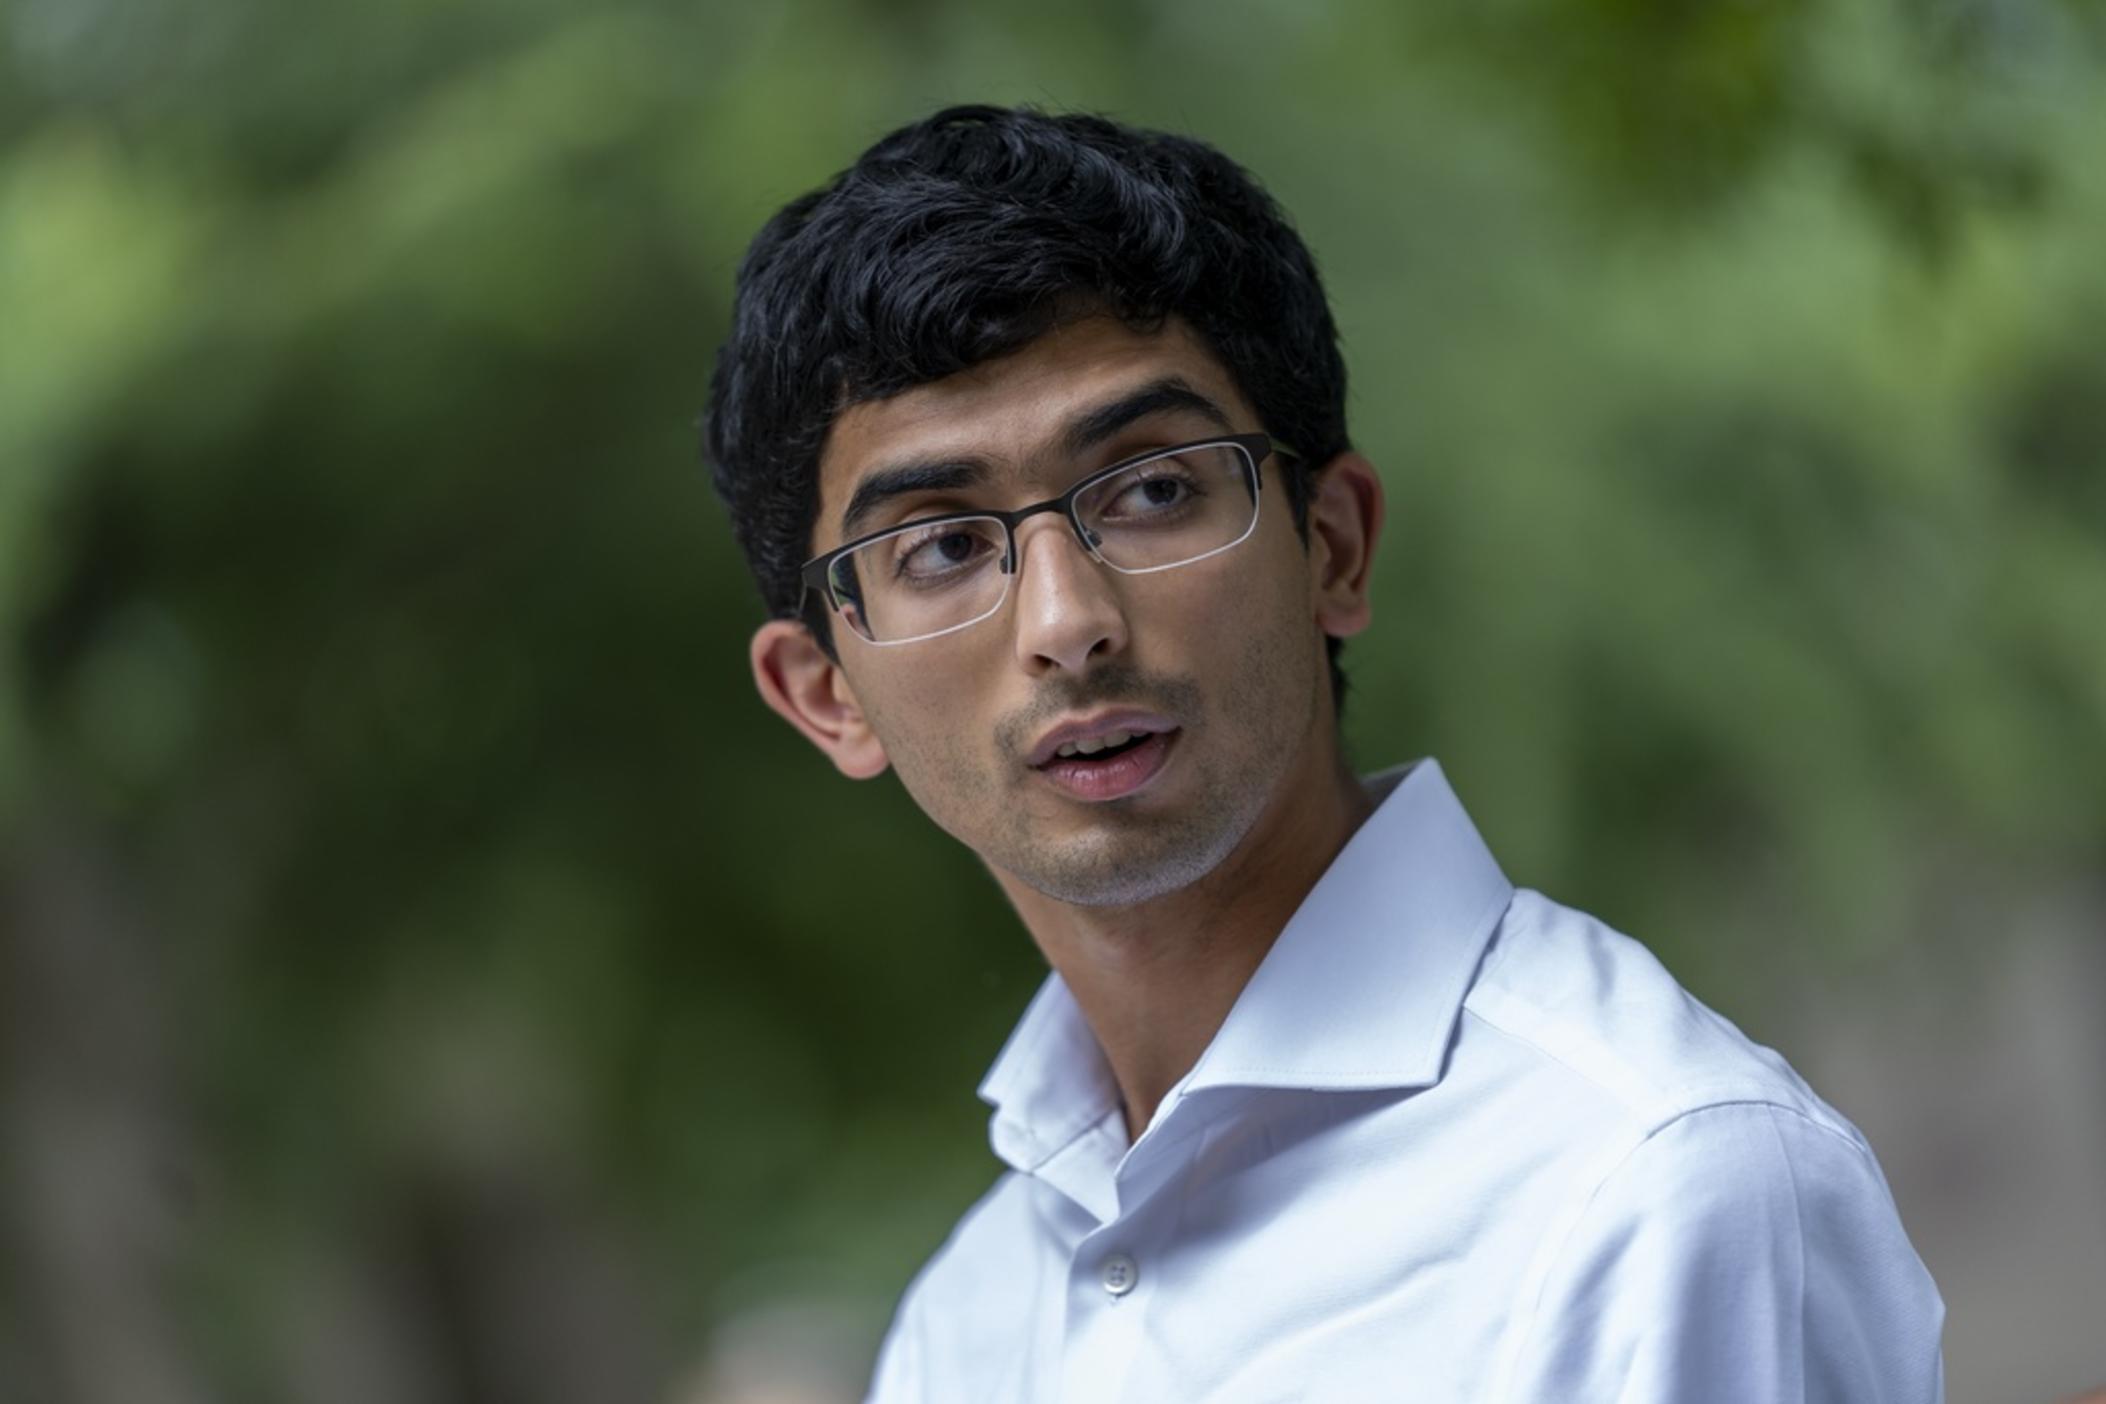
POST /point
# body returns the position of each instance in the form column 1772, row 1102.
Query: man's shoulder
column 977, row 1262
column 1590, row 1006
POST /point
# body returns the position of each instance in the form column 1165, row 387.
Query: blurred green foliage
column 1736, row 371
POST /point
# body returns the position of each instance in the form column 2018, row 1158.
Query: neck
column 1156, row 980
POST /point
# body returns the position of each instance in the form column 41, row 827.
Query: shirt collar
column 1360, row 991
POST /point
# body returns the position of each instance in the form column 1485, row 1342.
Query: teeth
column 1091, row 745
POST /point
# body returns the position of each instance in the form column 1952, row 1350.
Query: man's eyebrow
column 902, row 478
column 1172, row 392
column 1083, row 433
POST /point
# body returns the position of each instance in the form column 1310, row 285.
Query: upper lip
column 1098, row 724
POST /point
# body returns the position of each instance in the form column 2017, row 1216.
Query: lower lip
column 1111, row 779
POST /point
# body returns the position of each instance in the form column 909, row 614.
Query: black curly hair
column 965, row 236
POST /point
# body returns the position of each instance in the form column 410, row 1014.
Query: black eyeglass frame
column 1256, row 448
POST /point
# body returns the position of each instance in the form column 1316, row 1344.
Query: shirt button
column 1119, row 1274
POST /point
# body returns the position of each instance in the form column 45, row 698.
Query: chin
column 1114, row 870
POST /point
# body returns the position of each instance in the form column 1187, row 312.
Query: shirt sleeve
column 1741, row 1254
column 897, row 1377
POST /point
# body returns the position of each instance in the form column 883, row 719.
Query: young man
column 1032, row 428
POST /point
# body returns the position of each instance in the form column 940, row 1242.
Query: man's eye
column 941, row 552
column 1150, row 496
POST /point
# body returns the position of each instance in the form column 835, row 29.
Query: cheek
column 1278, row 654
column 936, row 737
column 919, row 692
column 1262, row 604
column 910, row 719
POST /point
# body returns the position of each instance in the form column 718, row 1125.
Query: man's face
column 1222, row 659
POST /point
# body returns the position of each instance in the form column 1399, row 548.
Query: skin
column 1157, row 907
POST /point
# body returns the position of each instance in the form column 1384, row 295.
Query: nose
column 1068, row 608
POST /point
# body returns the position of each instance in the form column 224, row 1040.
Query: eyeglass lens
column 1162, row 512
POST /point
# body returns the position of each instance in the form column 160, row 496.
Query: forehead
column 1010, row 411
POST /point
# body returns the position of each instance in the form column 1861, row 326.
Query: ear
column 1345, row 521
column 809, row 690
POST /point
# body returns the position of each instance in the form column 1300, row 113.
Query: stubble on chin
column 1123, row 864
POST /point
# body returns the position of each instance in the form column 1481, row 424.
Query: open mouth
column 1110, row 766
column 1101, row 748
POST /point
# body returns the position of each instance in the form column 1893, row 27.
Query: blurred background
column 427, row 973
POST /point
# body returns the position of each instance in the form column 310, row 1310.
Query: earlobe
column 1345, row 522
column 806, row 688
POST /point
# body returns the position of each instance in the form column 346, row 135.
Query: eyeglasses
column 937, row 575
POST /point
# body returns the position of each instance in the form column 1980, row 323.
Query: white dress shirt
column 1454, row 1142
